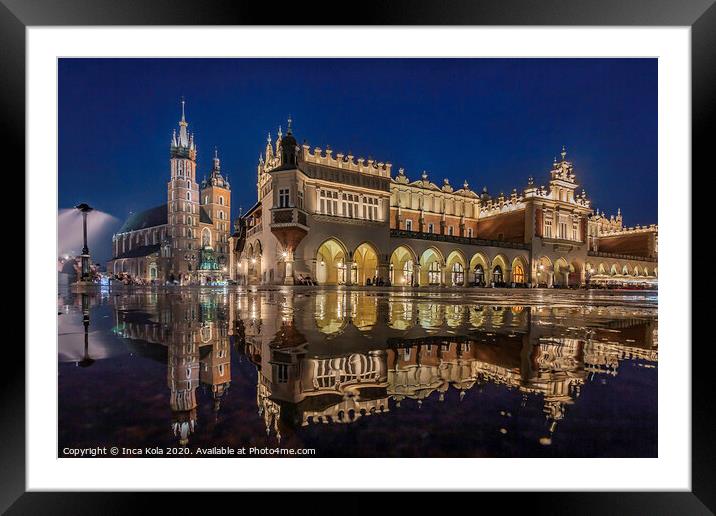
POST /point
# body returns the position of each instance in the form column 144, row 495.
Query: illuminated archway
column 574, row 276
column 431, row 263
column 519, row 268
column 562, row 270
column 456, row 268
column 500, row 272
column 479, row 265
column 545, row 271
column 331, row 263
column 403, row 266
column 365, row 264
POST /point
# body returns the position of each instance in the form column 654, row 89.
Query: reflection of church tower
column 183, row 199
column 183, row 379
column 216, row 371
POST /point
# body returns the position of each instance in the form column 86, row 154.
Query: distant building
column 187, row 238
column 338, row 220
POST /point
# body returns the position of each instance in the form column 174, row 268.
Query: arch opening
column 331, row 263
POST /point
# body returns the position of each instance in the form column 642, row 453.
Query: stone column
column 384, row 271
column 289, row 279
column 349, row 272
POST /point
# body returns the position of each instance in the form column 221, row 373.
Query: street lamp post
column 85, row 274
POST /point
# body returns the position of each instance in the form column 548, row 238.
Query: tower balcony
column 289, row 225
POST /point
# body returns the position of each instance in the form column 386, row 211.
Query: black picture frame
column 699, row 15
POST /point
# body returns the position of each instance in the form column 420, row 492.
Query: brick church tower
column 183, row 202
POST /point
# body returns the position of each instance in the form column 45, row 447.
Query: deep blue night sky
column 490, row 121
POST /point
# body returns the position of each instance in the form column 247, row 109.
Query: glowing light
column 253, row 260
column 284, row 254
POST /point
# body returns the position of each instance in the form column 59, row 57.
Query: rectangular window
column 450, row 230
column 547, row 228
column 563, row 230
column 283, row 198
column 409, row 225
column 430, row 228
column 282, row 373
column 469, row 232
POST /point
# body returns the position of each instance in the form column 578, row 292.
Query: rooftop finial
column 183, row 119
column 268, row 138
column 564, row 152
column 280, row 134
column 289, row 129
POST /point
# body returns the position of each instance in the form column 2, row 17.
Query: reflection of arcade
column 188, row 332
column 335, row 357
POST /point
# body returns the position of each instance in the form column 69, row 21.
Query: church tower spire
column 183, row 201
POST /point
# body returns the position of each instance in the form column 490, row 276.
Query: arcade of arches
column 336, row 264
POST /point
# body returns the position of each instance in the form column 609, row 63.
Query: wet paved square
column 361, row 372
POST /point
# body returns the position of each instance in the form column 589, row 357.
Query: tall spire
column 289, row 129
column 217, row 162
column 183, row 135
column 564, row 152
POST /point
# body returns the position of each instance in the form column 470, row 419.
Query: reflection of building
column 187, row 238
column 338, row 220
column 338, row 356
column 189, row 334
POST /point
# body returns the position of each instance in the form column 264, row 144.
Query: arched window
column 479, row 274
column 434, row 274
column 458, row 274
column 221, row 200
column 518, row 274
column 408, row 272
column 221, row 215
column 188, row 196
column 497, row 274
column 188, row 185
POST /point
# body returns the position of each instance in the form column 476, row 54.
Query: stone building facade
column 187, row 238
column 335, row 219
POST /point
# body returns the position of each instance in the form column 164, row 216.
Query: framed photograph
column 433, row 250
